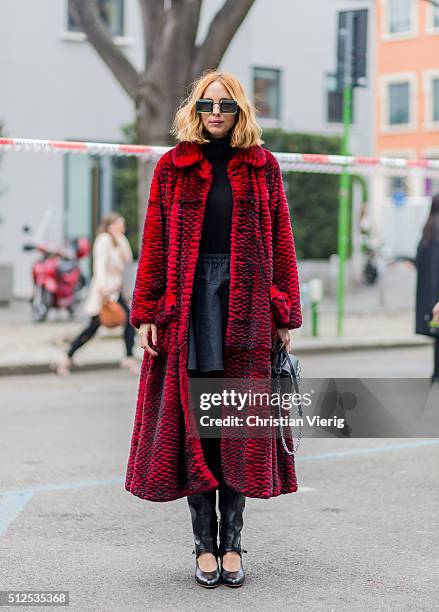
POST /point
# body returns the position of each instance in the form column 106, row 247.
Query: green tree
column 313, row 198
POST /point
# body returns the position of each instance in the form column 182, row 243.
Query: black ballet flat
column 233, row 579
column 208, row 580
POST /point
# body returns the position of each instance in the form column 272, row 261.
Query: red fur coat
column 165, row 462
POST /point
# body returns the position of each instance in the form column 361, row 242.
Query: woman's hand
column 284, row 335
column 144, row 330
column 435, row 312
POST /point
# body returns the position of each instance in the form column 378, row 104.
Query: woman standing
column 427, row 287
column 216, row 284
column 111, row 253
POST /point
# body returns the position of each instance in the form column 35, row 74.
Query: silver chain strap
column 295, row 385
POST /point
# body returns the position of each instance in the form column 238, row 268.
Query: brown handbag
column 112, row 314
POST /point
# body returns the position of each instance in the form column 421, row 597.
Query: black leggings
column 231, row 504
column 92, row 328
column 436, row 357
column 211, row 446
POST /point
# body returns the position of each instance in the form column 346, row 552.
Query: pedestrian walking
column 427, row 285
column 217, row 283
column 111, row 253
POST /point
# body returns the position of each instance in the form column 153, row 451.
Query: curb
column 48, row 368
column 339, row 345
column 304, row 347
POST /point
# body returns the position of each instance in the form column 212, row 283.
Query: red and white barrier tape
column 70, row 146
column 299, row 162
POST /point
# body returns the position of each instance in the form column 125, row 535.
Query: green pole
column 314, row 319
column 343, row 210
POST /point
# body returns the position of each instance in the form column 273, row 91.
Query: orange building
column 407, row 86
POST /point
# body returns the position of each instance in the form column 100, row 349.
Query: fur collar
column 187, row 153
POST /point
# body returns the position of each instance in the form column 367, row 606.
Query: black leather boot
column 231, row 506
column 205, row 529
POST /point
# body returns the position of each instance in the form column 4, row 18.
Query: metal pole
column 343, row 211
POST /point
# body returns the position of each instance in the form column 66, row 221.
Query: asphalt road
column 360, row 534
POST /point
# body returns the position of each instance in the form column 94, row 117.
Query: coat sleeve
column 101, row 254
column 285, row 290
column 151, row 270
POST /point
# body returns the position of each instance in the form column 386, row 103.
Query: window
column 431, row 97
column 334, row 107
column 432, row 17
column 398, row 187
column 398, row 94
column 435, row 100
column 111, row 12
column 431, row 183
column 431, row 186
column 399, row 16
column 399, row 103
column 266, row 92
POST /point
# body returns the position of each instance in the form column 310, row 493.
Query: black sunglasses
column 205, row 105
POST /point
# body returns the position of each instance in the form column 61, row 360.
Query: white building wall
column 301, row 40
column 54, row 87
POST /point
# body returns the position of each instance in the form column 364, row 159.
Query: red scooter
column 57, row 277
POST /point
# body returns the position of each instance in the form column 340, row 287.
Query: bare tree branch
column 222, row 29
column 168, row 66
column 152, row 19
column 172, row 60
column 195, row 10
column 179, row 40
column 85, row 12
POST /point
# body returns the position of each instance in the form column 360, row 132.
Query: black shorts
column 209, row 312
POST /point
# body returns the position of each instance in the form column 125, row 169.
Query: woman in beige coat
column 111, row 253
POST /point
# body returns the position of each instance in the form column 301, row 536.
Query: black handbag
column 284, row 365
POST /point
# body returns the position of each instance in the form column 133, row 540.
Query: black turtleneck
column 217, row 224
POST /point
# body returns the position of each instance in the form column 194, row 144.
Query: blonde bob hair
column 188, row 126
